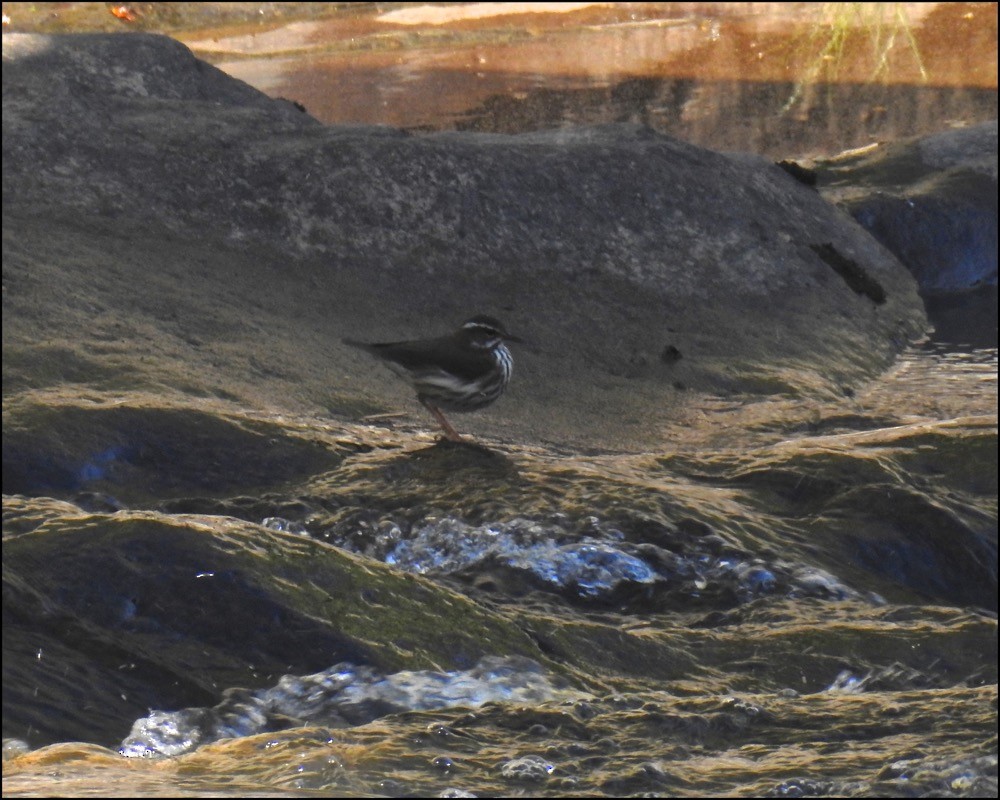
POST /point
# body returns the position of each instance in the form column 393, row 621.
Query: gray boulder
column 170, row 229
column 932, row 200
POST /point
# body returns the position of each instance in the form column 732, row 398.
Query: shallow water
column 768, row 78
column 784, row 80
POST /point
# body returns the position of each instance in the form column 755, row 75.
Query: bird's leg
column 449, row 431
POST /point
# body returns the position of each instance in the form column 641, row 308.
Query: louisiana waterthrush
column 463, row 371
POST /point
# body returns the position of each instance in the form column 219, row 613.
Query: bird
column 461, row 371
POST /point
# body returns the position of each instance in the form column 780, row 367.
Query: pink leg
column 449, row 431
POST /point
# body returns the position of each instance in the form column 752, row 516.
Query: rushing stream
column 789, row 610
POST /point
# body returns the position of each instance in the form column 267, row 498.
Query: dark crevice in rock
column 854, row 274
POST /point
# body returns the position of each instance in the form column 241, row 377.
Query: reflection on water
column 783, row 80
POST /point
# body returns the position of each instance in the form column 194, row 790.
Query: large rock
column 932, row 200
column 168, row 229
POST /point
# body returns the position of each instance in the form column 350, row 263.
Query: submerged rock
column 165, row 612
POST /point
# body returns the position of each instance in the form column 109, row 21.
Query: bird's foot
column 449, row 431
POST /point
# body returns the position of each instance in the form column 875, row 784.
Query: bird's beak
column 510, row 338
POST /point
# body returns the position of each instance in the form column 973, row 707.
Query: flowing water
column 798, row 598
column 792, row 603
